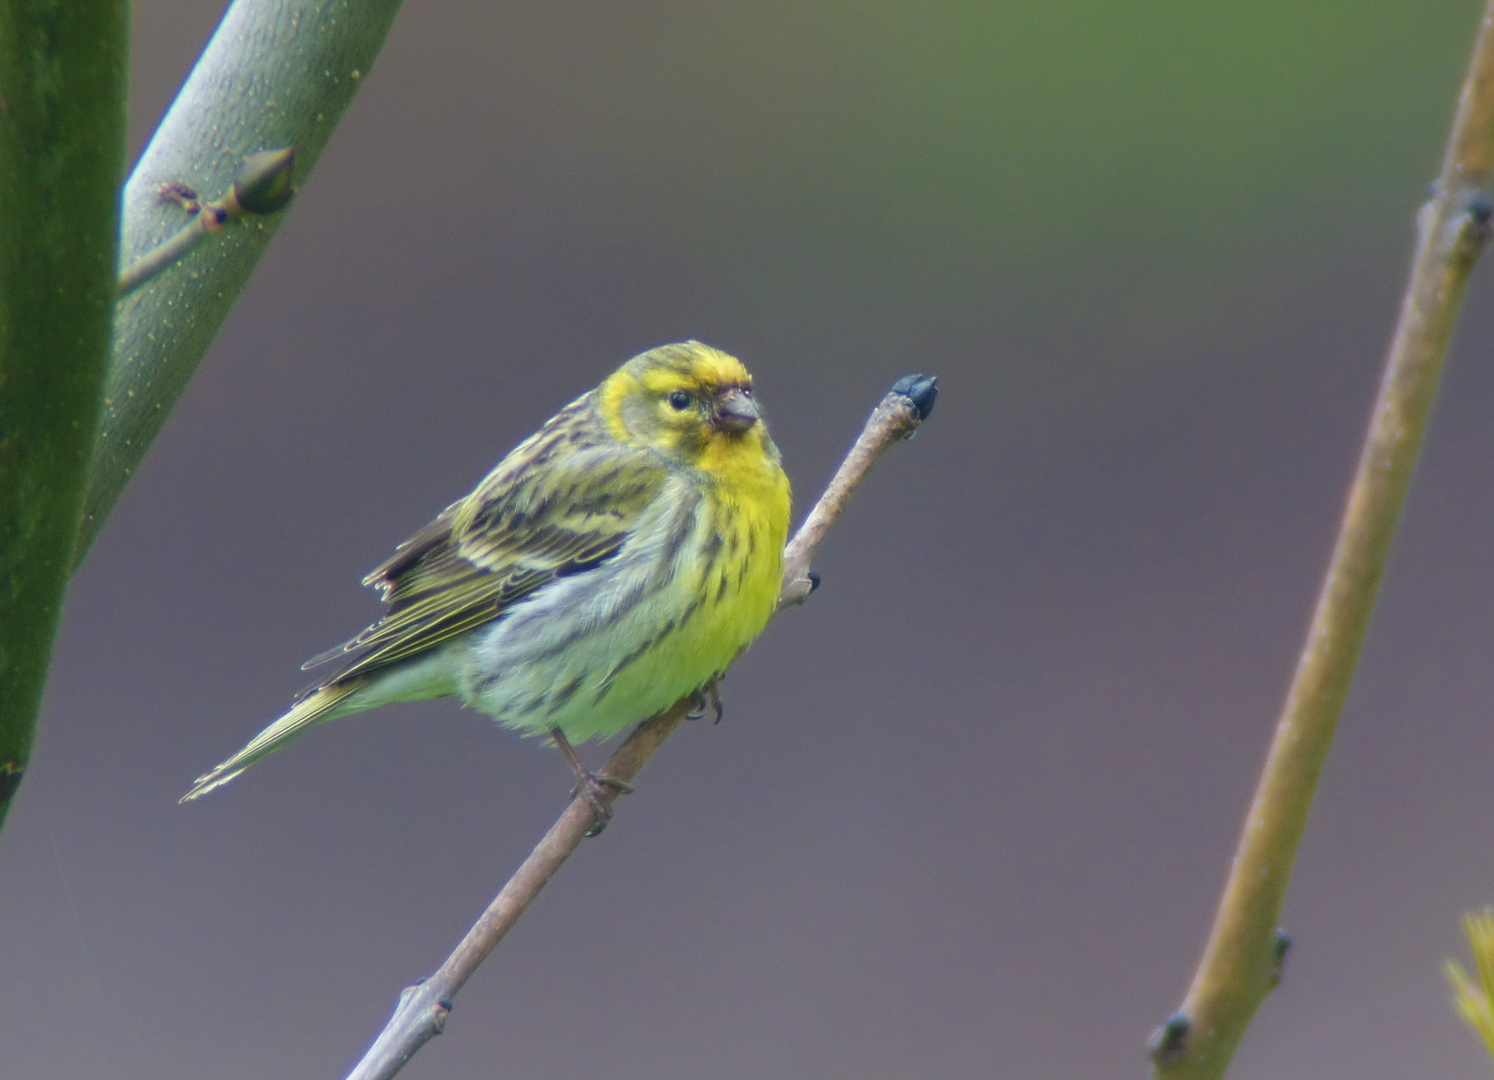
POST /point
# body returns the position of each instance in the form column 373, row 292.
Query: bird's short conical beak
column 735, row 411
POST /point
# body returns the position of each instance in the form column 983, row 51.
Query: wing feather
column 540, row 515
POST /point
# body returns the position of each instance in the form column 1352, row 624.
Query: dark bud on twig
column 920, row 390
column 1281, row 944
column 1169, row 1042
column 1468, row 218
column 263, row 182
column 814, row 579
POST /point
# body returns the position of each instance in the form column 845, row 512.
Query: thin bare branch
column 423, row 1008
column 262, row 186
column 888, row 423
column 1241, row 962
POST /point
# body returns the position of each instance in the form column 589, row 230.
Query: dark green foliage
column 63, row 68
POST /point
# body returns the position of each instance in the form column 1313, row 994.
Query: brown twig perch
column 262, row 186
column 1242, row 960
column 422, row 1009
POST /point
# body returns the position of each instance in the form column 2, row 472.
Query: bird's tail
column 323, row 703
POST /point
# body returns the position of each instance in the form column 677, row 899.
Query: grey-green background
column 969, row 811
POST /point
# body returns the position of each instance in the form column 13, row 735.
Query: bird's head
column 689, row 401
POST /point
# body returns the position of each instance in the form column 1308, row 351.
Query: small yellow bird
column 615, row 561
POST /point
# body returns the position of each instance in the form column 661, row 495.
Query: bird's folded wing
column 518, row 531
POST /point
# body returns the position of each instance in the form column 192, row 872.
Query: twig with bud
column 261, row 186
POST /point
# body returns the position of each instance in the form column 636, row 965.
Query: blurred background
column 970, row 809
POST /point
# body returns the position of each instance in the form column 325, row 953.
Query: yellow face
column 689, row 401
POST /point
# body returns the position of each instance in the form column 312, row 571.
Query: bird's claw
column 590, row 785
column 592, row 789
column 707, row 697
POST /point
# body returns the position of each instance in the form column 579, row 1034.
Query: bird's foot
column 591, row 786
column 707, row 697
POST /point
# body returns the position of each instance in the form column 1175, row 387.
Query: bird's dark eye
column 679, row 399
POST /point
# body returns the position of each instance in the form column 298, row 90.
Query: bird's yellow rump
column 617, row 560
